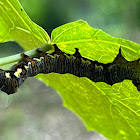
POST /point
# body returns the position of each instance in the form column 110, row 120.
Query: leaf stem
column 18, row 57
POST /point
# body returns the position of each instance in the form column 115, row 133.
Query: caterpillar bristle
column 39, row 51
column 77, row 53
column 57, row 50
column 24, row 55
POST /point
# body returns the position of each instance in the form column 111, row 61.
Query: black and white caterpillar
column 60, row 62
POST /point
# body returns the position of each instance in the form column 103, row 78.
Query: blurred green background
column 36, row 112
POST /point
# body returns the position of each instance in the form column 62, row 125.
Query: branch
column 18, row 57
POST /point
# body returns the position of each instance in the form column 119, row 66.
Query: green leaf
column 114, row 111
column 92, row 43
column 16, row 25
column 110, row 110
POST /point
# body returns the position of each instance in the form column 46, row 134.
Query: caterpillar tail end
column 138, row 87
column 137, row 84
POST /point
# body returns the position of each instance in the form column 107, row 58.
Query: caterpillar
column 61, row 62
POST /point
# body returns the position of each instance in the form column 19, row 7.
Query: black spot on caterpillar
column 60, row 62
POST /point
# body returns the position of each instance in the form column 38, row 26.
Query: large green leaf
column 92, row 43
column 110, row 110
column 16, row 25
column 113, row 111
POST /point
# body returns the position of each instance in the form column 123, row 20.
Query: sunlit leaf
column 111, row 110
column 15, row 25
column 92, row 43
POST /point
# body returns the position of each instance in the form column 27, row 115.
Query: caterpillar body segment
column 61, row 62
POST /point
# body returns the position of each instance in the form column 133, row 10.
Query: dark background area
column 36, row 112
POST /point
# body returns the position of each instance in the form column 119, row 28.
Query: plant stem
column 18, row 57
